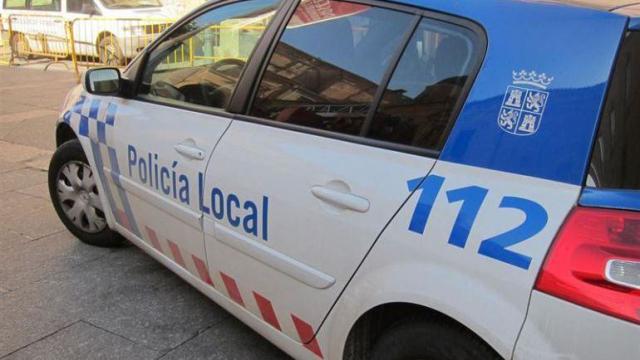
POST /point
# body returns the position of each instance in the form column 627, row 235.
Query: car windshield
column 128, row 4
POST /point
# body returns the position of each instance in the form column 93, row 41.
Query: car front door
column 334, row 143
column 155, row 148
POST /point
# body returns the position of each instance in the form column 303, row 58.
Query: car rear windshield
column 615, row 163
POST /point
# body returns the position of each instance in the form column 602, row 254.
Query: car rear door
column 297, row 191
column 155, row 148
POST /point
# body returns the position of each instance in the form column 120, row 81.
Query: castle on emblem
column 524, row 103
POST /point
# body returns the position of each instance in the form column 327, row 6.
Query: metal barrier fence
column 84, row 41
column 92, row 41
column 38, row 36
column 113, row 42
column 5, row 47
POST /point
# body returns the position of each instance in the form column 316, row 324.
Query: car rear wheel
column 430, row 339
column 74, row 193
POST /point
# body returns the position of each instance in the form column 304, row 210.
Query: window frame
column 61, row 10
column 139, row 69
column 25, row 8
column 247, row 86
column 28, row 7
column 419, row 14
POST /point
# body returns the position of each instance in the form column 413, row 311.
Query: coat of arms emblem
column 524, row 103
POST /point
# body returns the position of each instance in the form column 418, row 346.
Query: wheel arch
column 397, row 280
column 371, row 324
column 64, row 133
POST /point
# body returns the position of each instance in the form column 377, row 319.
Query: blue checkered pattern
column 91, row 124
column 93, row 116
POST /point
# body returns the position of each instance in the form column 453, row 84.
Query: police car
column 379, row 180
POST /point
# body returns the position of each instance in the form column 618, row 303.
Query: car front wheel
column 74, row 193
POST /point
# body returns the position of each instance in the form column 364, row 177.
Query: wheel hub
column 78, row 196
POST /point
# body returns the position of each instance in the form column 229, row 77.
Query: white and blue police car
column 417, row 179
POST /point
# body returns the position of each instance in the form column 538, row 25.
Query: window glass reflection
column 417, row 105
column 328, row 64
column 201, row 62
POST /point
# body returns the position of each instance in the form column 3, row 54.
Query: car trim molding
column 181, row 213
column 286, row 265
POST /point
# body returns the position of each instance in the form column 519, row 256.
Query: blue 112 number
column 471, row 199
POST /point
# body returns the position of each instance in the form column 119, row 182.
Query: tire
column 74, row 194
column 430, row 339
column 109, row 52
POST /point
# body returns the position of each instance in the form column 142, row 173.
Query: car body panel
column 560, row 149
column 486, row 294
column 295, row 263
column 556, row 329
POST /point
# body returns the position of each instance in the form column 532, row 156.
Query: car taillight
column 595, row 262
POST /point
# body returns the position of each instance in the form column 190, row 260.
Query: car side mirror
column 103, row 81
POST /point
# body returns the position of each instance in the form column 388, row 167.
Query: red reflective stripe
column 153, row 238
column 304, row 329
column 306, row 334
column 123, row 219
column 266, row 309
column 175, row 250
column 203, row 271
column 232, row 288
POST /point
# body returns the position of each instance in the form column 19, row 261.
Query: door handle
column 345, row 200
column 190, row 151
column 57, row 21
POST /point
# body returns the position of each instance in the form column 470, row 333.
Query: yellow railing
column 112, row 41
column 5, row 46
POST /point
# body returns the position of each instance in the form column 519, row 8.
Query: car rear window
column 615, row 163
column 368, row 72
column 329, row 64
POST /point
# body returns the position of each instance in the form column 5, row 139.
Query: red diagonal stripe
column 266, row 309
column 175, row 251
column 123, row 219
column 305, row 332
column 153, row 238
column 203, row 271
column 232, row 288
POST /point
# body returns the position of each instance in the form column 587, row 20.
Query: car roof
column 629, row 8
column 608, row 5
column 618, row 6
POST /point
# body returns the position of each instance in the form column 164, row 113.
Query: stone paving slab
column 21, row 178
column 83, row 341
column 23, row 325
column 233, row 340
column 50, row 254
column 16, row 205
column 147, row 318
column 38, row 132
column 16, row 153
column 39, row 191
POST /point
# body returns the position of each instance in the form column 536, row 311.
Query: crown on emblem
column 532, row 78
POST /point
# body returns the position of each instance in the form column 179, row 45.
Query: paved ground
column 61, row 299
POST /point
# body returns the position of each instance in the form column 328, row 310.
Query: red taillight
column 595, row 262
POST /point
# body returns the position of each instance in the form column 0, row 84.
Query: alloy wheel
column 78, row 196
